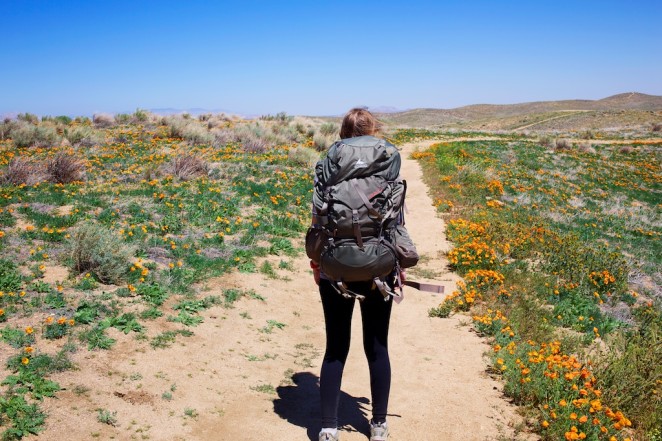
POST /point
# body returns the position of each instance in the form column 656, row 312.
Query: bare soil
column 238, row 378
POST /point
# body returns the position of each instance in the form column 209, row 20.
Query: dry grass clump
column 586, row 147
column 21, row 171
column 83, row 136
column 100, row 251
column 303, row 156
column 65, row 168
column 254, row 144
column 329, row 129
column 189, row 130
column 187, row 167
column 220, row 121
column 223, row 137
column 587, row 134
column 103, row 120
column 657, row 127
column 562, row 144
column 321, row 141
column 546, row 141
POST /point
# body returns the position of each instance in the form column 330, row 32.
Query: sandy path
column 232, row 380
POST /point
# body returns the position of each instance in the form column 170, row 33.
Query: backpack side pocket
column 404, row 247
column 316, row 238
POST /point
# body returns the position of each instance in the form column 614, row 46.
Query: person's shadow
column 299, row 404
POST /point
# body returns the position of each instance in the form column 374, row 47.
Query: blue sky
column 321, row 58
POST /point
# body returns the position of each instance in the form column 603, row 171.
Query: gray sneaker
column 325, row 436
column 378, row 431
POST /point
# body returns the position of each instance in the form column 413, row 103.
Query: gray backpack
column 357, row 205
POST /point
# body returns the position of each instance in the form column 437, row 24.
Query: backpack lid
column 359, row 157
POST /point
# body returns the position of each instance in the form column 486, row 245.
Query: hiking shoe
column 378, row 431
column 326, row 436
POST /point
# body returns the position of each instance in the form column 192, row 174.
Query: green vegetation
column 141, row 210
column 560, row 251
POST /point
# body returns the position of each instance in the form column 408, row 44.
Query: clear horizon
column 258, row 57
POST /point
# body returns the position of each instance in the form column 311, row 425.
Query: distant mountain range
column 541, row 114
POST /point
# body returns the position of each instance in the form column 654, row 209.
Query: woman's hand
column 402, row 276
column 316, row 271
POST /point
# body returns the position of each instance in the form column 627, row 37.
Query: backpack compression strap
column 424, row 286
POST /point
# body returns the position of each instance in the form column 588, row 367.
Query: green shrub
column 329, row 129
column 27, row 135
column 630, row 373
column 303, row 156
column 94, row 248
column 10, row 278
column 83, row 135
column 322, row 142
column 28, row 117
column 63, row 119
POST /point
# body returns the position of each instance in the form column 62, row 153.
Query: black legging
column 376, row 314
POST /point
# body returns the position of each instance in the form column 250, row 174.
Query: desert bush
column 587, row 134
column 300, row 127
column 630, row 373
column 562, row 144
column 188, row 130
column 187, row 167
column 329, row 129
column 84, row 120
column 95, row 249
column 21, row 171
column 63, row 119
column 28, row 118
column 321, row 142
column 280, row 117
column 586, row 147
column 254, row 144
column 28, row 135
column 103, row 120
column 64, row 168
column 657, row 127
column 83, row 135
column 546, row 141
column 196, row 134
column 303, row 156
column 6, row 128
column 223, row 137
column 122, row 118
column 141, row 115
column 284, row 134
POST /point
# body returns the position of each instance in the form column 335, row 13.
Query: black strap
column 357, row 228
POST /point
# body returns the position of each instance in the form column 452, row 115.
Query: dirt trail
column 232, row 379
column 568, row 113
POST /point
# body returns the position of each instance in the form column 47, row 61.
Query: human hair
column 359, row 122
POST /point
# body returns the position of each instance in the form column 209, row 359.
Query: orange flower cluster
column 473, row 254
column 495, row 187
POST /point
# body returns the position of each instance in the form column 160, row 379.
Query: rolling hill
column 623, row 111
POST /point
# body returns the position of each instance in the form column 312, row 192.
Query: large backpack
column 357, row 204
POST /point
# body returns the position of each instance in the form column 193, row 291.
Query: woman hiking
column 338, row 300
